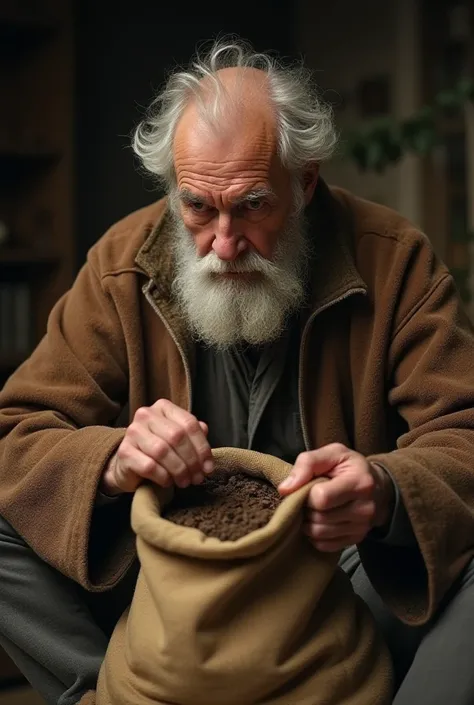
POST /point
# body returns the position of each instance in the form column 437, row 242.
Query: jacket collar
column 333, row 270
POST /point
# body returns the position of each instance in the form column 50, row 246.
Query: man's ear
column 310, row 179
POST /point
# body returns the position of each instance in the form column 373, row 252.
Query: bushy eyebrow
column 255, row 194
column 190, row 198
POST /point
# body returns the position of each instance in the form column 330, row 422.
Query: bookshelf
column 36, row 153
column 36, row 160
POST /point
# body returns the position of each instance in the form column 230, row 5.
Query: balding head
column 233, row 109
column 238, row 85
column 284, row 98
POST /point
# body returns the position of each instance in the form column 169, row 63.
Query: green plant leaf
column 358, row 152
column 424, row 141
column 385, row 140
column 376, row 156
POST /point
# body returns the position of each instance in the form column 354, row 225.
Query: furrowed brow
column 190, row 198
column 254, row 195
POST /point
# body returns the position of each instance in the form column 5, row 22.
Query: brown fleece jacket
column 387, row 367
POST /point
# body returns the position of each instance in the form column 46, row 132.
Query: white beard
column 224, row 312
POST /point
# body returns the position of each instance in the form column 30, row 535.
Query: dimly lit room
column 236, row 260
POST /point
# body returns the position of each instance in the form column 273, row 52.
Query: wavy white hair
column 306, row 132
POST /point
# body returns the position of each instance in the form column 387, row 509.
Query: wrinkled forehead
column 244, row 150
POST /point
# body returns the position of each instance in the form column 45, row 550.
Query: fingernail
column 208, row 466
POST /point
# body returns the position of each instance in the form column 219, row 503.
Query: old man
column 253, row 307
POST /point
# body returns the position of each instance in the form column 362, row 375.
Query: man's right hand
column 164, row 444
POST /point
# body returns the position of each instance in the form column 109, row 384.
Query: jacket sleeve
column 431, row 375
column 56, row 436
column 399, row 532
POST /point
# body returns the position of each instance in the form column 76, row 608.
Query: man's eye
column 254, row 204
column 198, row 207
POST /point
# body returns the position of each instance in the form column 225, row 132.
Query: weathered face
column 234, row 194
column 240, row 241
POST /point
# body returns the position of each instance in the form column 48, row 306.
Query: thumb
column 314, row 463
column 204, row 427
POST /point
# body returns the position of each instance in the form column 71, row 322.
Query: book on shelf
column 15, row 319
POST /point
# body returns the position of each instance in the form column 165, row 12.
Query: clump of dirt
column 227, row 505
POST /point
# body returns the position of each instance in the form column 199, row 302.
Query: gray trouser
column 48, row 629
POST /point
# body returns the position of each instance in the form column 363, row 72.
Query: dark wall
column 123, row 53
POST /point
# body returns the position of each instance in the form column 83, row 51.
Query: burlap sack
column 265, row 619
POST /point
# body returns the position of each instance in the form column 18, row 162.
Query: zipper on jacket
column 187, row 371
column 304, row 339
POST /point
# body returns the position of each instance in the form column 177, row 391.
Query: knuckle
column 181, row 473
column 162, row 478
column 161, row 404
column 159, row 449
column 191, row 425
column 204, row 453
column 125, row 449
column 303, row 460
column 133, row 430
column 175, row 435
column 148, row 468
column 141, row 414
column 338, row 447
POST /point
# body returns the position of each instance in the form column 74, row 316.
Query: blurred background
column 75, row 78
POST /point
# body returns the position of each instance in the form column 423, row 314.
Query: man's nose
column 228, row 243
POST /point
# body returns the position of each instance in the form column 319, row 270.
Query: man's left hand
column 357, row 496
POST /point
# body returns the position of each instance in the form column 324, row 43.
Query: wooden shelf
column 22, row 33
column 16, row 166
column 36, row 263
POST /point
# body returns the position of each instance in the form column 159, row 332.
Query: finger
column 357, row 511
column 336, row 544
column 330, row 532
column 133, row 466
column 333, row 546
column 336, row 492
column 178, row 440
column 198, row 478
column 315, row 463
column 149, row 441
column 187, row 430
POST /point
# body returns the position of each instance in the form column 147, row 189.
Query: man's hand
column 164, row 444
column 357, row 497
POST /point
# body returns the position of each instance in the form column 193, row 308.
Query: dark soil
column 226, row 505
